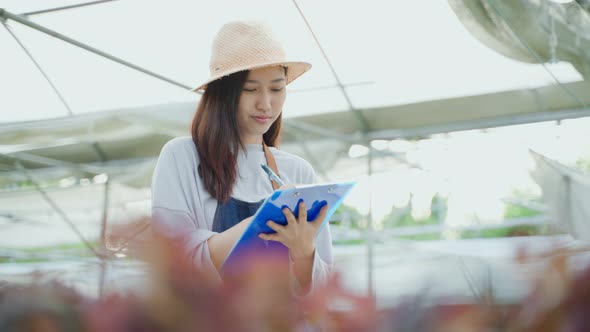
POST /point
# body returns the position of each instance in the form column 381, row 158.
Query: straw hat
column 242, row 45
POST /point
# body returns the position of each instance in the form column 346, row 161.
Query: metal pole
column 103, row 223
column 103, row 247
column 105, row 209
column 370, row 237
column 568, row 205
column 361, row 118
column 63, row 100
column 103, row 273
column 24, row 21
column 59, row 211
column 51, row 10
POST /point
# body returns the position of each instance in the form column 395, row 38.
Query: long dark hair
column 216, row 134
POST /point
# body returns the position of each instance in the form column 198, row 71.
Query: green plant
column 516, row 211
column 400, row 217
column 347, row 215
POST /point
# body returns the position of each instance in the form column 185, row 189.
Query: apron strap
column 270, row 160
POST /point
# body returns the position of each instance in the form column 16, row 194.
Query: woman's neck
column 252, row 140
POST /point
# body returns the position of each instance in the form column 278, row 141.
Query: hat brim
column 294, row 70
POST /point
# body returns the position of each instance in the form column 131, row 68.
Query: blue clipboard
column 315, row 197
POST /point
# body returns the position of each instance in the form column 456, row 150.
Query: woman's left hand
column 298, row 234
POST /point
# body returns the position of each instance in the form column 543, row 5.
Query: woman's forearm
column 220, row 244
column 303, row 268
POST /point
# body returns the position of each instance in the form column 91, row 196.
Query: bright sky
column 408, row 54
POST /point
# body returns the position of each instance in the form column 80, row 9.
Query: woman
column 206, row 188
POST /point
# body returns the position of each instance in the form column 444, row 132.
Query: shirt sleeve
column 323, row 260
column 174, row 214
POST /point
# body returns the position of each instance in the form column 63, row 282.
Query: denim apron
column 234, row 210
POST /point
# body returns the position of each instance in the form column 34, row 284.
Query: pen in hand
column 273, row 175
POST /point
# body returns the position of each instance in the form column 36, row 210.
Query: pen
column 272, row 175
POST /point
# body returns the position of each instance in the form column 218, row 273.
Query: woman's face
column 261, row 102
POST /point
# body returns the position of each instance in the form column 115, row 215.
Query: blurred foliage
column 349, row 242
column 258, row 296
column 400, row 217
column 71, row 247
column 28, row 184
column 48, row 253
column 346, row 215
column 183, row 297
column 517, row 211
column 520, row 230
column 4, row 260
column 583, row 164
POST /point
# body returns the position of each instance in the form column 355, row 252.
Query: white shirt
column 183, row 209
